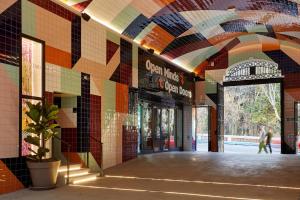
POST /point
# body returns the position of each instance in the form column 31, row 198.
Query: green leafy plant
column 41, row 128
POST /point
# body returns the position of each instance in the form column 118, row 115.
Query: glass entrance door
column 157, row 128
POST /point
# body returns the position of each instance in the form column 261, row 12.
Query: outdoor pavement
column 240, row 148
column 187, row 176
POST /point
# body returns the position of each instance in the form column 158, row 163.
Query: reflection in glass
column 146, row 131
column 157, row 128
column 165, row 128
column 25, row 121
column 172, row 142
column 31, row 68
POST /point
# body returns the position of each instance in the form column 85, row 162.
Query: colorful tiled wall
column 89, row 70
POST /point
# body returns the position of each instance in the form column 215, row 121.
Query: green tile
column 248, row 38
column 70, row 82
column 114, row 37
column 145, row 32
column 210, row 85
column 93, row 165
column 56, row 149
column 203, row 56
column 69, row 102
column 218, row 19
column 291, row 44
column 12, row 72
column 135, row 54
column 109, row 96
column 259, row 28
column 125, row 17
column 28, row 18
column 233, row 59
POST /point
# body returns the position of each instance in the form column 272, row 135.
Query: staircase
column 77, row 174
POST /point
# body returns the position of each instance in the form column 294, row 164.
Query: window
column 32, row 79
column 31, row 68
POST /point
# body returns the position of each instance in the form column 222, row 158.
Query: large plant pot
column 43, row 174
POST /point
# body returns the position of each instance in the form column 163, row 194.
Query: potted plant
column 39, row 130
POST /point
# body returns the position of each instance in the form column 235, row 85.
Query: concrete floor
column 187, row 176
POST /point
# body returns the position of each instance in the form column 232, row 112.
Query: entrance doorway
column 202, row 128
column 250, row 101
column 248, row 111
column 157, row 128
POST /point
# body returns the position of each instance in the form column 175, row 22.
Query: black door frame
column 43, row 86
column 208, row 123
column 284, row 146
column 160, row 106
column 296, row 116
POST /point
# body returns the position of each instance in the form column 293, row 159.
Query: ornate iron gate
column 253, row 69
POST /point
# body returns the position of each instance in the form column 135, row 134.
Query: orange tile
column 294, row 92
column 270, row 46
column 157, row 39
column 225, row 36
column 163, row 3
column 8, row 181
column 286, row 27
column 57, row 57
column 200, row 69
column 121, row 98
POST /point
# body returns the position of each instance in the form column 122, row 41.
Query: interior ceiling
column 188, row 32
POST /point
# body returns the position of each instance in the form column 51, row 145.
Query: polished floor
column 187, row 176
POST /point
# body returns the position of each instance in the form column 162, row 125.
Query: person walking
column 262, row 136
column 269, row 139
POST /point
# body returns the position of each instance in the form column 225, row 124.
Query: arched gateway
column 249, row 72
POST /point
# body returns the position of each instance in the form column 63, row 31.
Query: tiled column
column 83, row 115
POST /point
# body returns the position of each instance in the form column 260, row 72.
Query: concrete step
column 79, row 172
column 72, row 167
column 84, row 178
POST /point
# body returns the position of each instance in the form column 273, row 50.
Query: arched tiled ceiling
column 188, row 32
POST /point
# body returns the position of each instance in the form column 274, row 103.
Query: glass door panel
column 179, row 128
column 146, row 127
column 165, row 128
column 172, row 132
column 156, row 113
column 157, row 128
